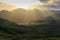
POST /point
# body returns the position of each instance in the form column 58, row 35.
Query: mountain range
column 26, row 17
column 35, row 22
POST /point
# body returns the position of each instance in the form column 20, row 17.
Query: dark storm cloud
column 57, row 6
column 43, row 0
column 54, row 4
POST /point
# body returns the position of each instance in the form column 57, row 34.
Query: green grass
column 11, row 31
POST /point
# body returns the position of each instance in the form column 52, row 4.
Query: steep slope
column 7, row 15
column 10, row 30
column 10, row 16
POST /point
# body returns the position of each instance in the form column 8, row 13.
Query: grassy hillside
column 11, row 31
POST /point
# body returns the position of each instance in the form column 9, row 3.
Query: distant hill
column 57, row 15
column 28, row 16
column 10, row 16
column 7, row 15
column 57, row 12
column 21, row 15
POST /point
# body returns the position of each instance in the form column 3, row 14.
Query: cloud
column 58, row 2
column 56, row 6
column 1, row 0
column 43, row 0
column 51, row 4
column 47, row 2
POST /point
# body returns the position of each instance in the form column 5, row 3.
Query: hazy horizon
column 52, row 4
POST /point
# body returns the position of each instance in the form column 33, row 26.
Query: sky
column 21, row 3
column 28, row 3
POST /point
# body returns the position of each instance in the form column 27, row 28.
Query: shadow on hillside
column 12, row 31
